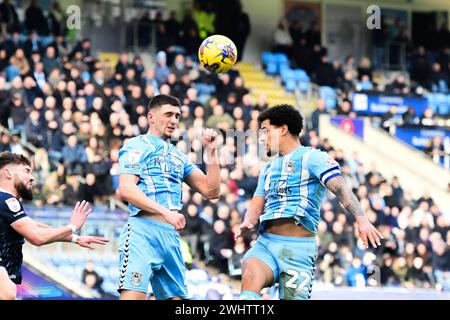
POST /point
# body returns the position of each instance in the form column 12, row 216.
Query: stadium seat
column 290, row 85
column 440, row 102
column 301, row 75
column 444, row 108
column 329, row 95
column 267, row 57
column 272, row 68
column 287, row 75
column 281, row 57
column 304, row 86
column 431, row 101
column 283, row 67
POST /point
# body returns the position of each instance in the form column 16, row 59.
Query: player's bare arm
column 82, row 241
column 130, row 192
column 208, row 185
column 366, row 231
column 251, row 218
column 40, row 234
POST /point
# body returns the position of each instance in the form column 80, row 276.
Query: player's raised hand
column 80, row 213
column 176, row 219
column 245, row 226
column 209, row 138
column 86, row 241
column 367, row 232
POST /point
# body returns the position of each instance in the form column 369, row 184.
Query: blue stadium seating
column 329, row 95
column 293, row 78
column 274, row 62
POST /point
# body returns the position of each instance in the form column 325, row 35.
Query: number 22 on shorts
column 295, row 275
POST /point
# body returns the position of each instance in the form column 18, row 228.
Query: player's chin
column 169, row 132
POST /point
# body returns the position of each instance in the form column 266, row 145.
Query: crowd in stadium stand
column 76, row 112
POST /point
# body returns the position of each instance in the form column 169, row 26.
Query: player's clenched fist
column 176, row 219
column 209, row 138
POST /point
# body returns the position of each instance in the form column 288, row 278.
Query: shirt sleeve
column 131, row 157
column 259, row 192
column 322, row 166
column 11, row 210
column 189, row 167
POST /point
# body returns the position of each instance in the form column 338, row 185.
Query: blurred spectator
column 349, row 66
column 35, row 19
column 437, row 80
column 72, row 192
column 420, row 66
column 441, row 264
column 91, row 278
column 435, row 149
column 390, row 118
column 282, row 40
column 345, row 108
column 34, row 130
column 428, row 117
column 161, row 70
column 243, row 31
column 20, row 62
column 220, row 246
column 364, row 69
column 32, row 45
column 74, row 157
column 410, row 117
column 356, row 274
column 398, row 86
column 315, row 116
column 56, row 19
column 52, row 191
column 325, row 75
column 9, row 16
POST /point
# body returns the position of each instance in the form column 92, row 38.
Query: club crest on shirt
column 136, row 279
column 13, row 204
column 331, row 162
column 134, row 156
column 290, row 166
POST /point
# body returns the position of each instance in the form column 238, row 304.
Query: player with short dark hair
column 152, row 171
column 287, row 203
column 16, row 181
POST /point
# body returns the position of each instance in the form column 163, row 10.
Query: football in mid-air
column 217, row 53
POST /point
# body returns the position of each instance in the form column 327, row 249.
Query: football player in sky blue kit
column 152, row 171
column 287, row 204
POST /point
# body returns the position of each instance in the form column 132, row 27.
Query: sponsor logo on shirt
column 132, row 166
column 18, row 214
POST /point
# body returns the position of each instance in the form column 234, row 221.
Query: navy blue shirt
column 11, row 241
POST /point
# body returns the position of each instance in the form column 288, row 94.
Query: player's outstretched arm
column 40, row 234
column 251, row 218
column 208, row 185
column 82, row 241
column 130, row 192
column 366, row 231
